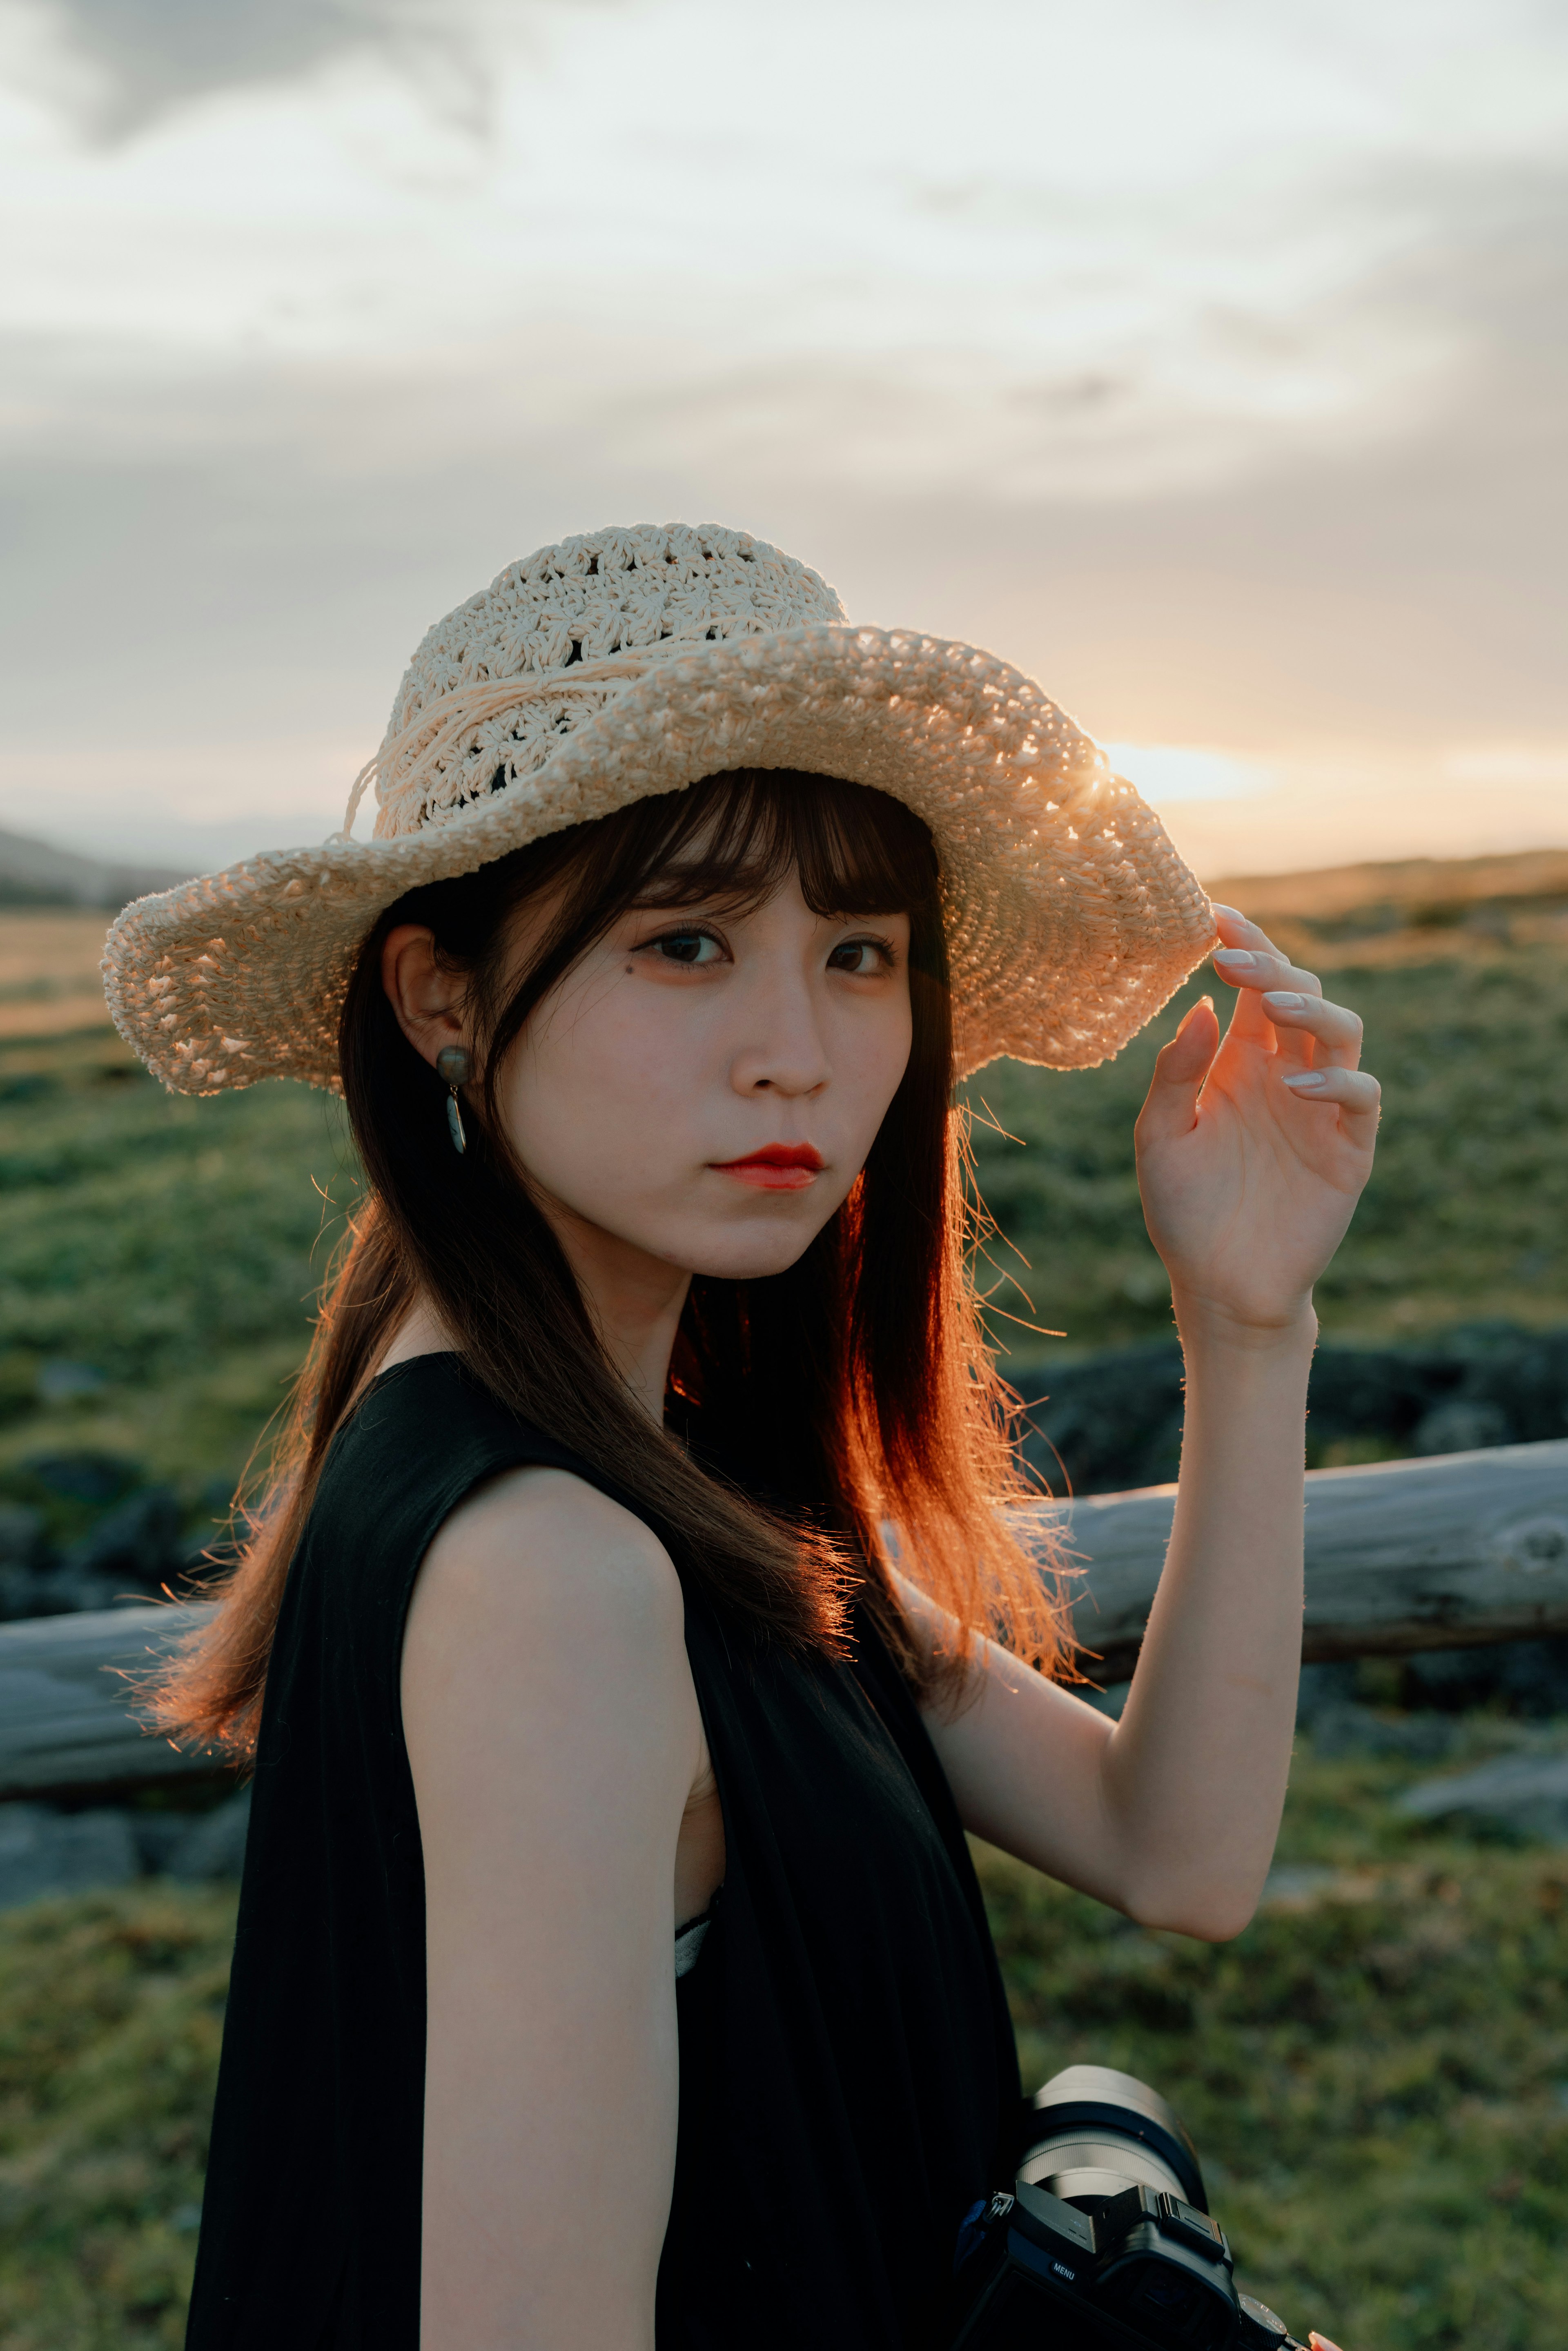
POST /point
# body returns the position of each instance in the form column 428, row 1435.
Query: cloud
column 1264, row 455
column 118, row 67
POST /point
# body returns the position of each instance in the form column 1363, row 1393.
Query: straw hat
column 630, row 662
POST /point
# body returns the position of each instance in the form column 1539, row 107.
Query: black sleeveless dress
column 849, row 2085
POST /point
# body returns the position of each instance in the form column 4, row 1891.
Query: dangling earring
column 452, row 1066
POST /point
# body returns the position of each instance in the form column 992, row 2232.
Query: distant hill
column 1438, row 889
column 36, row 873
column 1429, row 891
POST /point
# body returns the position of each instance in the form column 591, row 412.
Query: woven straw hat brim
column 1070, row 917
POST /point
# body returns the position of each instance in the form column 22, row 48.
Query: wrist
column 1208, row 1328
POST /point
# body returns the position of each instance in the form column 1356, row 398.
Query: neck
column 636, row 1302
column 634, row 1299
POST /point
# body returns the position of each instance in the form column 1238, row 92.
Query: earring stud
column 453, row 1067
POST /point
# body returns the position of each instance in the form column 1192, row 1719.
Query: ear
column 427, row 1000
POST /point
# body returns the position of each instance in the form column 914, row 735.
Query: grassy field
column 159, row 1255
column 1377, row 2075
column 1467, row 1212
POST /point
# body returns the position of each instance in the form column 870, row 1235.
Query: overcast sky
column 1208, row 361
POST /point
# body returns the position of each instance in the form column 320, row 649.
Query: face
column 705, row 1086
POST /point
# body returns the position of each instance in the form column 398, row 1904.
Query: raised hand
column 1253, row 1150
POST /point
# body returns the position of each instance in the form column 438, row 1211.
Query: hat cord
column 437, row 730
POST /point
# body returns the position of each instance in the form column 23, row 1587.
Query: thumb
column 1171, row 1107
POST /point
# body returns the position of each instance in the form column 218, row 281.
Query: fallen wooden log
column 1453, row 1552
column 1465, row 1550
column 66, row 1719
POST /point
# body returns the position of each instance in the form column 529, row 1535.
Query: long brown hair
column 816, row 1405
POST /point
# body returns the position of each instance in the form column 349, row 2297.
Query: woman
column 636, row 1572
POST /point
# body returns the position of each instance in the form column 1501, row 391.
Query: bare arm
column 1171, row 1814
column 554, row 1736
column 1249, row 1177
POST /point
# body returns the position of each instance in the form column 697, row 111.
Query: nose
column 791, row 1057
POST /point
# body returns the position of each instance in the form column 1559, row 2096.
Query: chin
column 750, row 1257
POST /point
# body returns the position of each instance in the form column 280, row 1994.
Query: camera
column 1106, row 2237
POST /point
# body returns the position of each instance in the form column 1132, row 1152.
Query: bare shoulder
column 539, row 1547
column 545, row 1616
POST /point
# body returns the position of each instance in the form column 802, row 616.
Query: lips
column 777, row 1167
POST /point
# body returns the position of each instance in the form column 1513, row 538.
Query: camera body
column 1106, row 2237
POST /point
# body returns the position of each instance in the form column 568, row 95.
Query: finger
column 1250, row 971
column 1239, row 930
column 1247, row 958
column 1312, row 1031
column 1321, row 2342
column 1355, row 1092
column 1263, row 967
column 1180, row 1069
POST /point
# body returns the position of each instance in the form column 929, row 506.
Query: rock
column 24, row 1555
column 24, row 1538
column 1376, row 1392
column 194, row 1846
column 1529, row 1677
column 46, row 1852
column 159, row 1836
column 137, row 1542
column 25, row 1594
column 1323, row 1687
column 1524, row 1373
column 1527, row 1794
column 1113, row 1420
column 1463, row 1425
column 134, row 1549
column 214, row 1845
column 65, row 1590
column 95, row 1479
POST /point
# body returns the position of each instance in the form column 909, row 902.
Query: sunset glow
column 1187, row 356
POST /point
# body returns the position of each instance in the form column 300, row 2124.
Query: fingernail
column 1306, row 1081
column 1241, row 957
column 1215, row 908
column 1283, row 999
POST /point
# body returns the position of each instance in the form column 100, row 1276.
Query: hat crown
column 494, row 687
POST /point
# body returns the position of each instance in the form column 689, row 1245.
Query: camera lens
column 1097, row 2132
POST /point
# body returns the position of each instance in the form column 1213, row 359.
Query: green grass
column 1378, row 2079
column 175, row 1245
column 111, row 2014
column 1466, row 1215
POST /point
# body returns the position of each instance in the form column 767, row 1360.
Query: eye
column 862, row 957
column 692, row 947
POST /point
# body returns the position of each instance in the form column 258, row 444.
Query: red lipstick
column 777, row 1167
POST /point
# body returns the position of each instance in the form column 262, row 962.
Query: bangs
column 728, row 841
column 732, row 838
